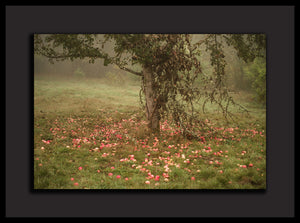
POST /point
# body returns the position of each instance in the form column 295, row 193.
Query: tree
column 169, row 65
column 256, row 75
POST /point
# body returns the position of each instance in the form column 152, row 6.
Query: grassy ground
column 91, row 135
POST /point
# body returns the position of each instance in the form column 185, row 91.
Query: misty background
column 240, row 76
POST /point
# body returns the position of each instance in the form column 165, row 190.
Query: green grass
column 65, row 96
column 86, row 129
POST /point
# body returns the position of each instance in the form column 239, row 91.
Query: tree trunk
column 151, row 100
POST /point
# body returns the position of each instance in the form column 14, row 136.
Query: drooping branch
column 219, row 93
column 199, row 43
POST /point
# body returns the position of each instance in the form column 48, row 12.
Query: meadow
column 91, row 134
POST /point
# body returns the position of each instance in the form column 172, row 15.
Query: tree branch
column 201, row 41
column 130, row 71
column 58, row 56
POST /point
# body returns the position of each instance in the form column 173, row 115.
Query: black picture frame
column 277, row 22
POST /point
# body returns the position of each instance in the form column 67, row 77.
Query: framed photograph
column 172, row 111
column 168, row 114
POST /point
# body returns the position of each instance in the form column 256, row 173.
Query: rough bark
column 152, row 112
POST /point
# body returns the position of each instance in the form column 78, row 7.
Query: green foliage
column 248, row 46
column 256, row 74
column 78, row 73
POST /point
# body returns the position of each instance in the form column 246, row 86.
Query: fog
column 81, row 68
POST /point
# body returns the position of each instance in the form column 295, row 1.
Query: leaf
column 106, row 61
